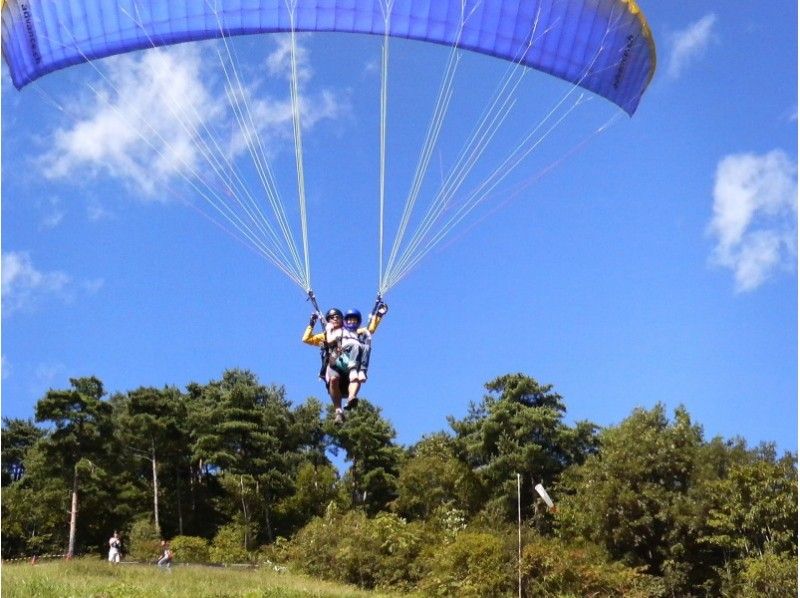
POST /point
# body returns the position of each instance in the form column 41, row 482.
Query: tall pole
column 519, row 534
column 73, row 514
column 154, row 464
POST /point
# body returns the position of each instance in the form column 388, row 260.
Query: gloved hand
column 382, row 309
column 313, row 320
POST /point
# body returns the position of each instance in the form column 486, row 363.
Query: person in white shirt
column 114, row 548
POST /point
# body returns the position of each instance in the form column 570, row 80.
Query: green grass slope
column 98, row 579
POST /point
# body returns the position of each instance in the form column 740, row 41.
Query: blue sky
column 654, row 262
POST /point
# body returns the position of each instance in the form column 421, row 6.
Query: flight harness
column 331, row 354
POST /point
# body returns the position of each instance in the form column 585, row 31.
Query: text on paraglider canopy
column 28, row 17
column 626, row 54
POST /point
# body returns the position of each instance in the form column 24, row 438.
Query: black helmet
column 333, row 312
column 352, row 313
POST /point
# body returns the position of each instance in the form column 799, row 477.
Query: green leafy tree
column 552, row 568
column 350, row 547
column 149, row 428
column 144, row 540
column 229, row 546
column 368, row 440
column 518, row 428
column 315, row 487
column 248, row 438
column 35, row 509
column 637, row 497
column 754, row 507
column 175, row 468
column 18, row 435
column 316, row 482
column 78, row 442
column 190, row 549
column 765, row 576
column 433, row 478
column 230, row 440
column 475, row 564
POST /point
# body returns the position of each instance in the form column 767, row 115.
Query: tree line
column 646, row 507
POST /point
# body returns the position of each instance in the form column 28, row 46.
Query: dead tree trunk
column 155, row 487
column 73, row 514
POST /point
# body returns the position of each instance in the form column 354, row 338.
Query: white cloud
column 690, row 44
column 52, row 219
column 160, row 114
column 6, row 368
column 52, row 213
column 274, row 116
column 279, row 61
column 372, row 66
column 172, row 124
column 92, row 287
column 23, row 284
column 46, row 373
column 140, row 123
column 755, row 216
column 97, row 211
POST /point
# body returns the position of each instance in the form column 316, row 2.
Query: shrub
column 190, row 549
column 275, row 555
column 447, row 521
column 352, row 548
column 389, row 546
column 550, row 567
column 767, row 576
column 228, row 546
column 474, row 564
column 314, row 547
column 145, row 544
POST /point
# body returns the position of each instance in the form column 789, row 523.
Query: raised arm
column 375, row 319
column 308, row 335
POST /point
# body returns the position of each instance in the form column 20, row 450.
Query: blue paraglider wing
column 604, row 46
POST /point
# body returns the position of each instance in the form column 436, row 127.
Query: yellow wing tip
column 634, row 9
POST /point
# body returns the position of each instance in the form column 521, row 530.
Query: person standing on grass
column 114, row 548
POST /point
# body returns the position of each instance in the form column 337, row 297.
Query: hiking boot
column 350, row 403
column 338, row 417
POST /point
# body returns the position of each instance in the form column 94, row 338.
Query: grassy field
column 98, row 579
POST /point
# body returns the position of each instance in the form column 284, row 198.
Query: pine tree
column 368, row 440
column 518, row 428
column 149, row 428
column 18, row 436
column 79, row 440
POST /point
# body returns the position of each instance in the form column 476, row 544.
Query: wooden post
column 519, row 533
column 155, row 487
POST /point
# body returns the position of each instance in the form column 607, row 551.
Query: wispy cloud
column 92, row 287
column 755, row 216
column 271, row 118
column 279, row 61
column 46, row 373
column 690, row 44
column 52, row 213
column 139, row 124
column 164, row 115
column 23, row 285
column 372, row 67
column 97, row 211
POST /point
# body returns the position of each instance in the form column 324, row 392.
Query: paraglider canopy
column 41, row 36
column 600, row 46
